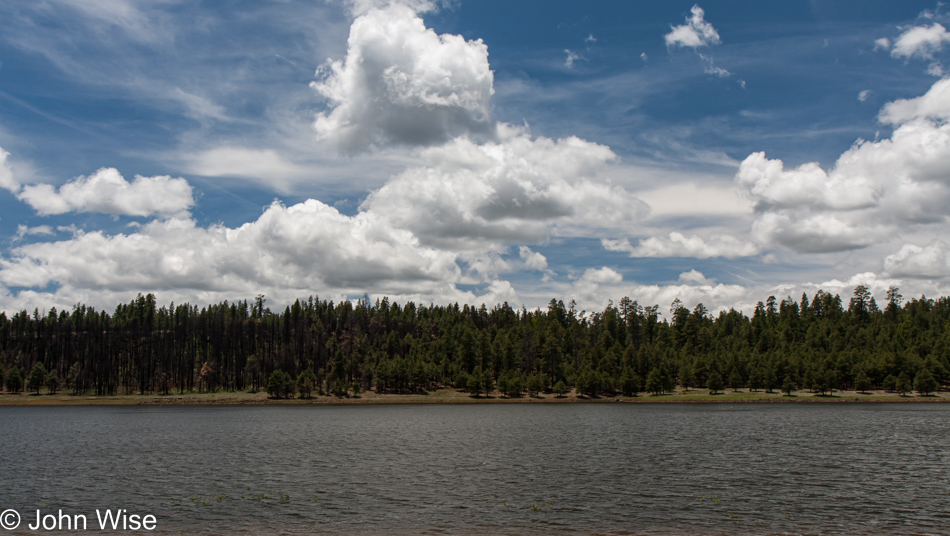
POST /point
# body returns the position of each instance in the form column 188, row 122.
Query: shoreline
column 452, row 396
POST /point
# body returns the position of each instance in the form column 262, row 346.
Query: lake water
column 487, row 469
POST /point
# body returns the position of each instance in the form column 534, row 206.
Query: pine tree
column 924, row 382
column 37, row 377
column 714, row 383
column 788, row 386
column 903, row 384
column 14, row 380
column 861, row 382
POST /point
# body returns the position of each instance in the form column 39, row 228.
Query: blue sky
column 472, row 151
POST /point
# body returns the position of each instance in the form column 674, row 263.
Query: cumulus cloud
column 873, row 190
column 307, row 247
column 933, row 105
column 679, row 245
column 694, row 277
column 106, row 191
column 919, row 41
column 533, row 259
column 697, row 32
column 473, row 196
column 401, row 84
column 930, row 261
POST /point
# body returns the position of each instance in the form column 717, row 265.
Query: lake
column 623, row 469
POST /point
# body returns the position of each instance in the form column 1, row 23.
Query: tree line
column 316, row 347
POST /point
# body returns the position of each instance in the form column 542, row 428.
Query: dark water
column 500, row 469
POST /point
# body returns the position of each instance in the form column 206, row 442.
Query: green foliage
column 861, row 382
column 714, row 383
column 788, row 386
column 281, row 384
column 14, row 380
column 735, row 380
column 52, row 382
column 475, row 385
column 488, row 383
column 403, row 348
column 37, row 377
column 306, row 382
column 630, row 383
column 890, row 383
column 924, row 382
column 654, row 384
column 903, row 385
column 560, row 389
column 686, row 376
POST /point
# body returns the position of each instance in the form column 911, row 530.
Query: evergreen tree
column 687, row 377
column 14, row 380
column 52, row 382
column 37, row 378
column 861, row 382
column 735, row 380
column 504, row 385
column 560, row 389
column 714, row 383
column 629, row 382
column 488, row 383
column 306, row 382
column 788, row 386
column 654, row 384
column 903, row 384
column 924, row 382
column 475, row 382
column 890, row 383
column 275, row 384
column 755, row 379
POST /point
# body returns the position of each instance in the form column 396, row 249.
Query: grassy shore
column 452, row 396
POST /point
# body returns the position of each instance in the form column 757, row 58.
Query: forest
column 318, row 347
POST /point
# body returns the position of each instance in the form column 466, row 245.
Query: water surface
column 489, row 469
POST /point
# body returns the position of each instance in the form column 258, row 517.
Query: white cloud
column 603, row 275
column 7, row 181
column 883, row 43
column 679, row 245
column 106, row 191
column 263, row 164
column 920, row 41
column 694, row 277
column 403, row 84
column 307, row 247
column 23, row 231
column 930, row 261
column 872, row 192
column 533, row 259
column 571, row 58
column 590, row 39
column 697, row 32
column 863, row 95
column 933, row 105
column 712, row 69
column 361, row 7
column 480, row 197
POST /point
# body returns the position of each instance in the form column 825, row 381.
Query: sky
column 472, row 152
